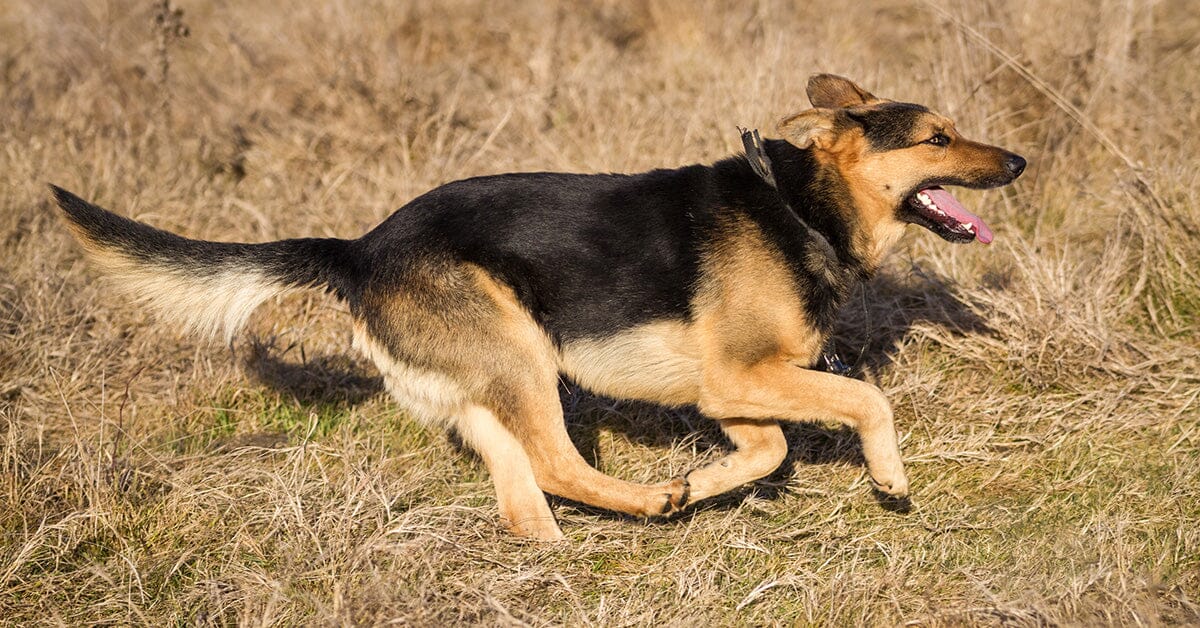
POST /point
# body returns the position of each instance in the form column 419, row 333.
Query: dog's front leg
column 775, row 388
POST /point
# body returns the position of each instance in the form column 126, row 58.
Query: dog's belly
column 657, row 362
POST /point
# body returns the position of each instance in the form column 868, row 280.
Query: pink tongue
column 947, row 203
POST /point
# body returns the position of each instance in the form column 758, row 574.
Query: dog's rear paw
column 679, row 491
column 536, row 528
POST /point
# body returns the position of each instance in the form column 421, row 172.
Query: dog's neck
column 821, row 199
column 805, row 216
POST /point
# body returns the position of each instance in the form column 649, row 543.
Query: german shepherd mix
column 715, row 286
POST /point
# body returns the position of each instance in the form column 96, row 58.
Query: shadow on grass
column 337, row 381
column 883, row 311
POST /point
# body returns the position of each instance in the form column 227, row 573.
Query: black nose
column 1015, row 165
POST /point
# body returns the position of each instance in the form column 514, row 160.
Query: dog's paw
column 679, row 491
column 891, row 481
column 535, row 528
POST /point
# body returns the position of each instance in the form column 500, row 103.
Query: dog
column 713, row 286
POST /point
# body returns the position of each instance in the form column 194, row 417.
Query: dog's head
column 894, row 158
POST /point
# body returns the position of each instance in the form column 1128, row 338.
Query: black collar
column 757, row 156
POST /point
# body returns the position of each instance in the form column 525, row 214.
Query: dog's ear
column 834, row 92
column 808, row 128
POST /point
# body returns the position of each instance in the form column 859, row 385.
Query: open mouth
column 937, row 210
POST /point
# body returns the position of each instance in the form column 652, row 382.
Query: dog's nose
column 1015, row 165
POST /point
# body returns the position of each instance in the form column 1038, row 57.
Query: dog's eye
column 940, row 139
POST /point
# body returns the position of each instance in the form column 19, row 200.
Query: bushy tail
column 208, row 287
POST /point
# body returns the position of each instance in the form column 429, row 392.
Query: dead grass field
column 1046, row 387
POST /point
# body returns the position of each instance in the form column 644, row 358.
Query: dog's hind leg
column 561, row 470
column 437, row 397
column 521, row 369
column 523, row 507
column 455, row 345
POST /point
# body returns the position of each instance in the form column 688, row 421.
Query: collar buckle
column 757, row 155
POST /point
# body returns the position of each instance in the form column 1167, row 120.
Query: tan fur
column 431, row 396
column 832, row 91
column 658, row 362
column 778, row 388
column 744, row 320
column 808, row 128
column 759, row 449
column 523, row 507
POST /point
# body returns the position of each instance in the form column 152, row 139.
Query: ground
column 1046, row 386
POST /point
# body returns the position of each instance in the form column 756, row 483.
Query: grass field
column 1046, row 387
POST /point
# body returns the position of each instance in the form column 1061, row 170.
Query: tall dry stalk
column 168, row 28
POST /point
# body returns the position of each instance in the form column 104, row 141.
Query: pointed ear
column 834, row 92
column 808, row 128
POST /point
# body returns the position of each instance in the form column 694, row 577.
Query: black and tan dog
column 714, row 286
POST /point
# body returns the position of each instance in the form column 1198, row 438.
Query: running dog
column 715, row 286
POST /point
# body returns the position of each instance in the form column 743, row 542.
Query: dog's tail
column 208, row 287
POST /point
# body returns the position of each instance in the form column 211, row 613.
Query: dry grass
column 1046, row 387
